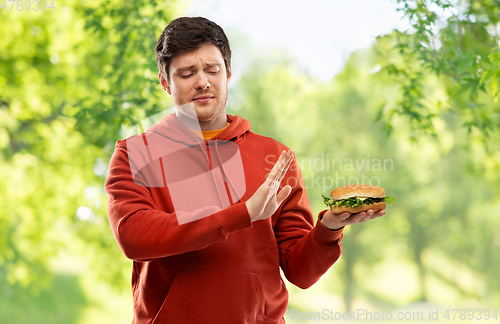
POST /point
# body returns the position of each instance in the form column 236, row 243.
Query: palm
column 267, row 199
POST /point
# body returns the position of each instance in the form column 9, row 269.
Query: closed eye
column 187, row 76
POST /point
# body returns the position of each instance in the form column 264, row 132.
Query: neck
column 217, row 122
column 213, row 125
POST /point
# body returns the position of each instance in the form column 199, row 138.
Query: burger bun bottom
column 340, row 209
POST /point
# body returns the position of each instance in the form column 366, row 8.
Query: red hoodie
column 176, row 206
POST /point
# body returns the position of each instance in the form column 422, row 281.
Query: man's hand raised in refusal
column 266, row 200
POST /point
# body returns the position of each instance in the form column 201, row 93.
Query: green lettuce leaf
column 355, row 201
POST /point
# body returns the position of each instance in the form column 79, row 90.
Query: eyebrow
column 209, row 64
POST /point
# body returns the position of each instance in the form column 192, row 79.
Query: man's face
column 198, row 78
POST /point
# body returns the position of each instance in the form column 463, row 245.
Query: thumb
column 283, row 194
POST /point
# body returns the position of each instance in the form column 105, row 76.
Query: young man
column 192, row 202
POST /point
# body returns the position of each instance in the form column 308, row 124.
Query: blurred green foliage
column 64, row 77
column 63, row 302
column 458, row 40
column 74, row 80
column 438, row 183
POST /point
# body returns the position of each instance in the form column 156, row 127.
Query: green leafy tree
column 432, row 179
column 458, row 42
column 70, row 80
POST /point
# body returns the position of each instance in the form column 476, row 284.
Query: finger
column 286, row 166
column 277, row 166
column 378, row 214
column 274, row 187
column 364, row 218
column 275, row 170
column 281, row 175
column 342, row 216
column 355, row 218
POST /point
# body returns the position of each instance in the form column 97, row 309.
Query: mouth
column 203, row 99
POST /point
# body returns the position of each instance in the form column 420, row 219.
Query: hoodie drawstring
column 226, row 177
column 205, row 150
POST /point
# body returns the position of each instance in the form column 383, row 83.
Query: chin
column 208, row 113
column 204, row 116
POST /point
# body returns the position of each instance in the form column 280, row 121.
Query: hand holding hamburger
column 354, row 204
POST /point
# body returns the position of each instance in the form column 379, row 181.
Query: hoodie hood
column 172, row 128
column 169, row 155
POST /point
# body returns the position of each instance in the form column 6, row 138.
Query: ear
column 164, row 83
column 229, row 73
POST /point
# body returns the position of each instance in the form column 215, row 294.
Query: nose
column 202, row 82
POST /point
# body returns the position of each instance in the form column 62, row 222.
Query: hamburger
column 357, row 198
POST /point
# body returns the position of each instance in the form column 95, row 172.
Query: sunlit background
column 329, row 79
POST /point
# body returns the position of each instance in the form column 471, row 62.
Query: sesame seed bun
column 363, row 191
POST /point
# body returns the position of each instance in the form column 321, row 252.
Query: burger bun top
column 362, row 191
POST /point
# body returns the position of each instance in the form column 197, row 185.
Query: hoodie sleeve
column 306, row 251
column 144, row 232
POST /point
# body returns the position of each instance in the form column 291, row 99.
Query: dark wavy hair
column 186, row 34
